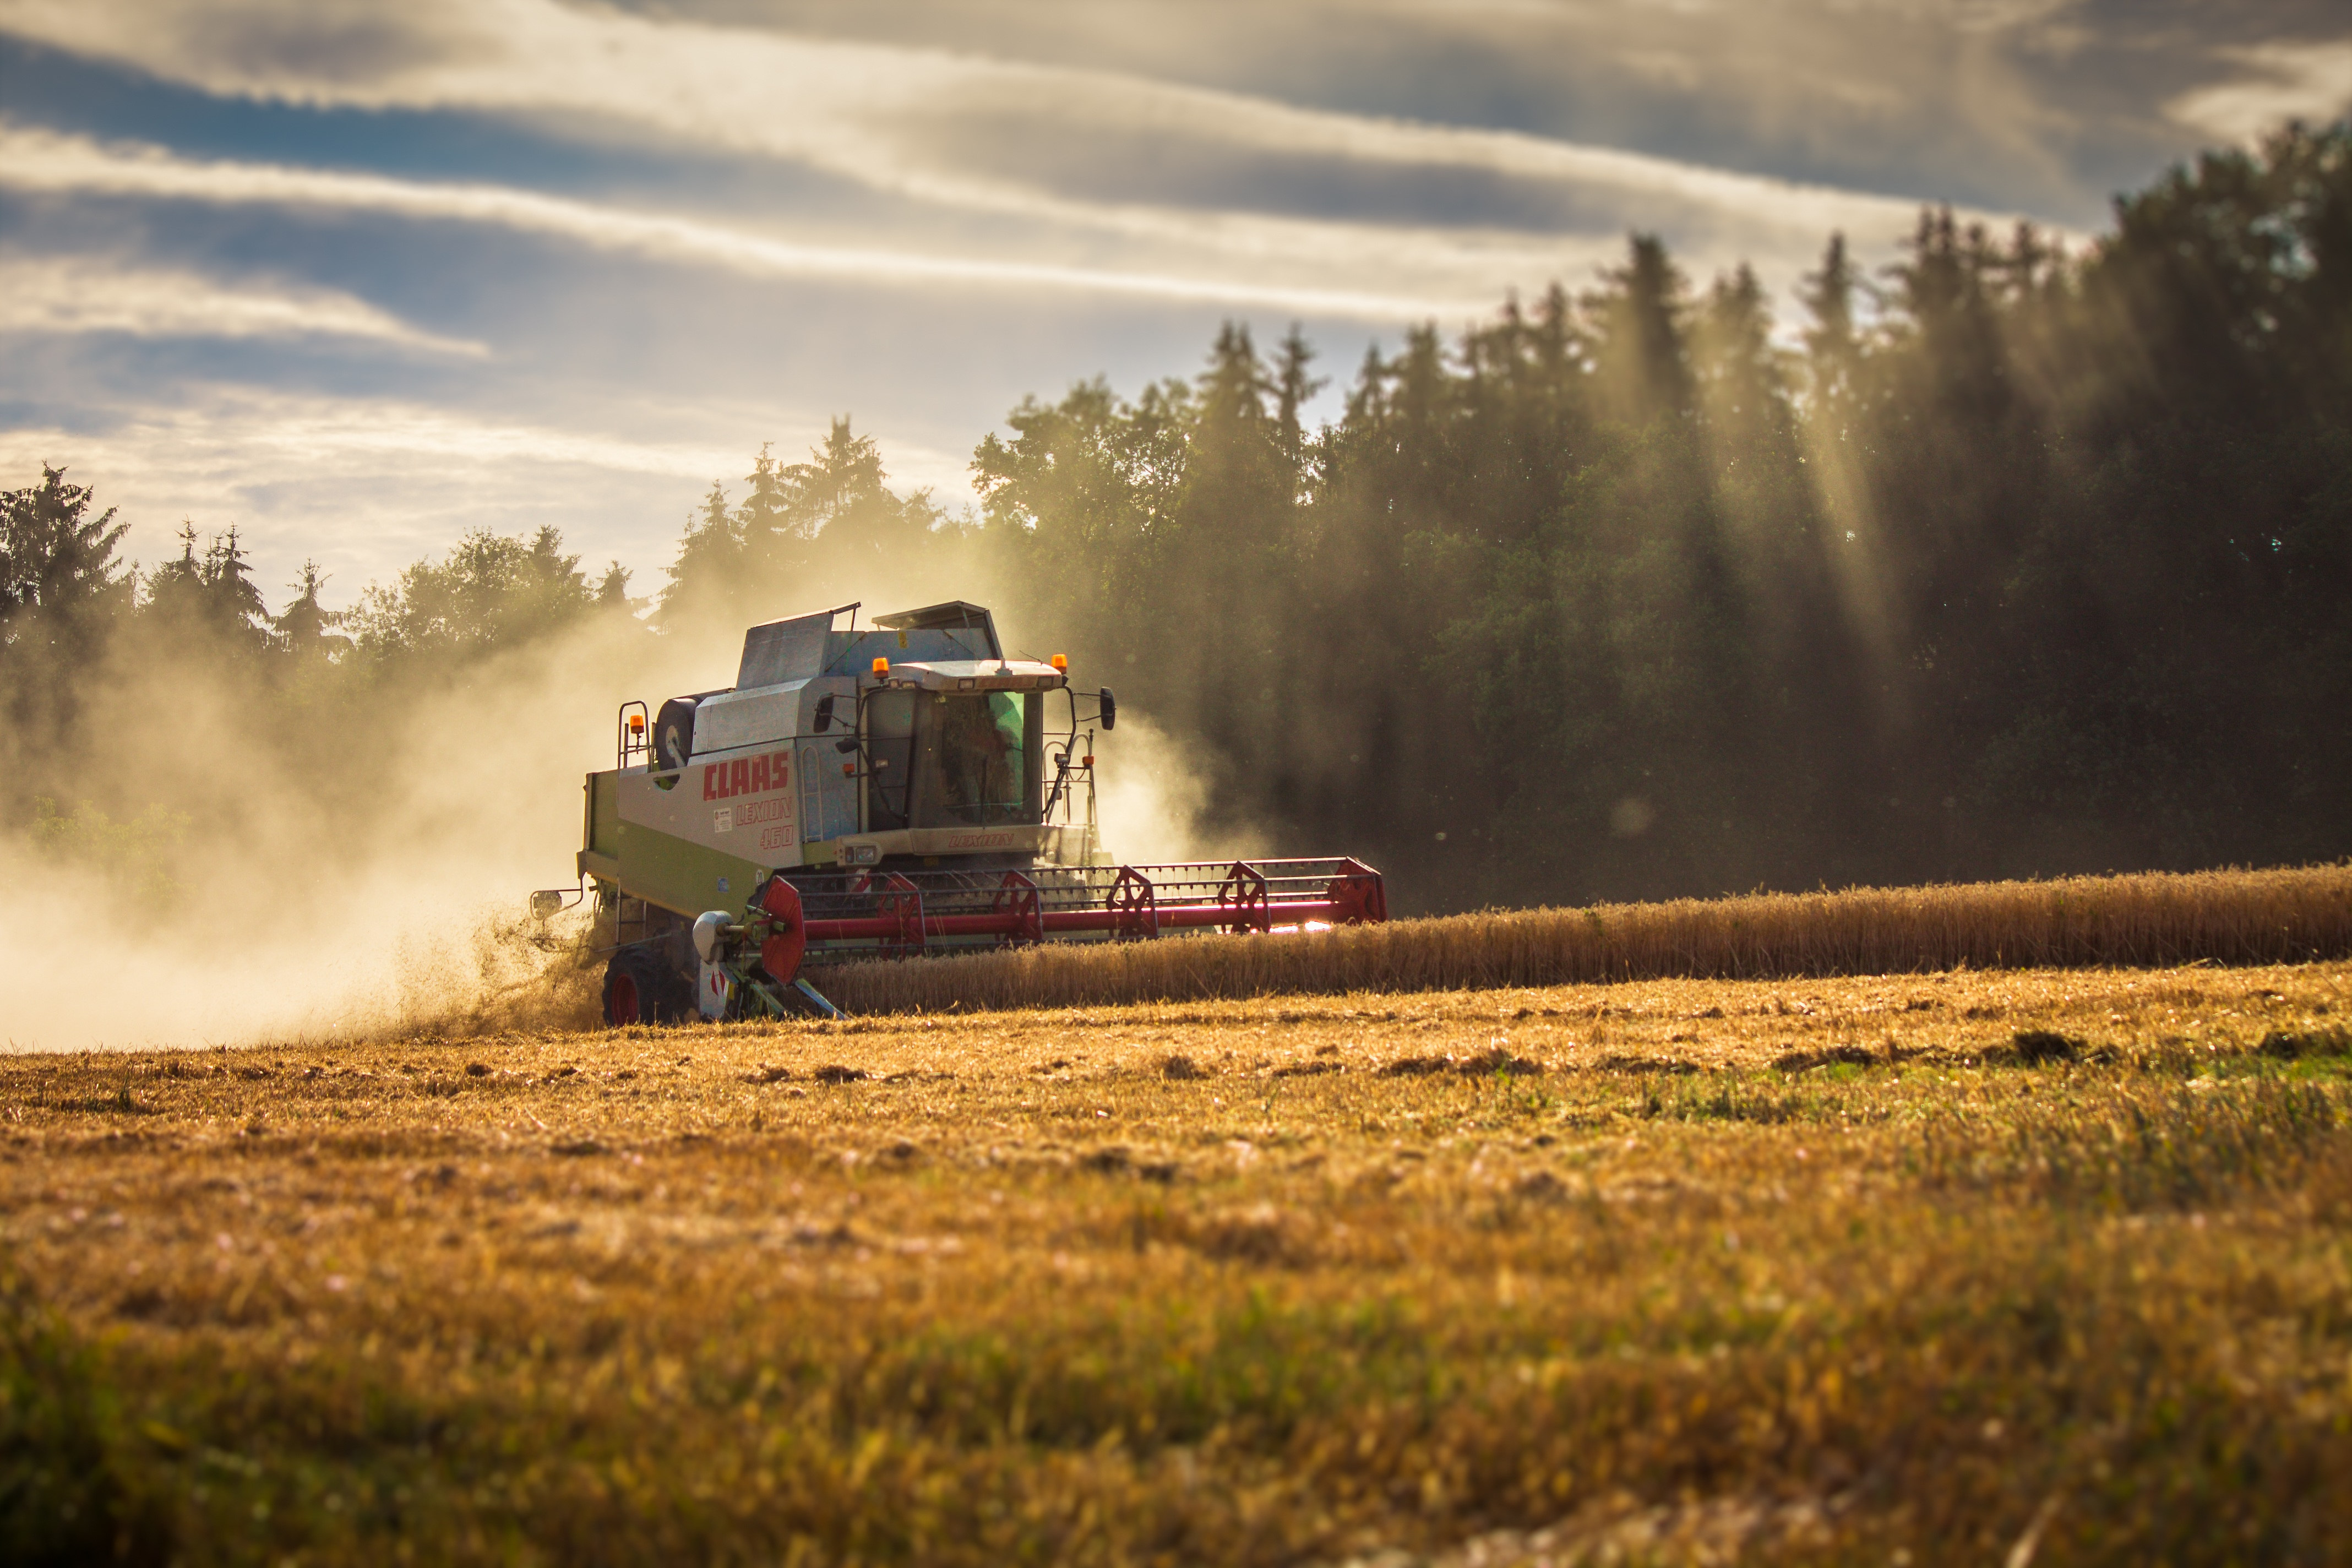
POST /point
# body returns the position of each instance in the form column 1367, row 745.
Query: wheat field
column 2149, row 920
column 2028, row 1265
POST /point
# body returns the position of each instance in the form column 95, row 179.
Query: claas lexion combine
column 889, row 793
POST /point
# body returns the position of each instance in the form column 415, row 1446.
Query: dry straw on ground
column 2138, row 922
column 1771, row 1272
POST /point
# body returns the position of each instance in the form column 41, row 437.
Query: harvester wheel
column 640, row 989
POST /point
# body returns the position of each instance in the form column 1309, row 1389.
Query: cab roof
column 955, row 614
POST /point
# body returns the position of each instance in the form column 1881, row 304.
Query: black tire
column 639, row 988
column 673, row 731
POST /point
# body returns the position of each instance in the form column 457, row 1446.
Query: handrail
column 631, row 739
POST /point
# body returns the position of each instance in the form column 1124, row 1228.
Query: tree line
column 1997, row 561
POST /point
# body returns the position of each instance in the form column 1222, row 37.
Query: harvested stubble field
column 1961, row 1267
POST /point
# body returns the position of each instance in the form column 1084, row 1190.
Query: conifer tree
column 62, row 594
column 234, row 605
column 1640, row 371
column 59, row 580
column 1293, row 388
column 306, row 628
column 210, row 596
column 1833, row 345
column 613, row 590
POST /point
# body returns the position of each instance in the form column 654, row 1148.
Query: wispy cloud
column 41, row 160
column 2281, row 82
column 367, row 485
column 61, row 294
column 932, row 126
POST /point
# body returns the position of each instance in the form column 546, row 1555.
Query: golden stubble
column 675, row 1245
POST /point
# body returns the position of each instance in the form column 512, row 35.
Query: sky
column 354, row 277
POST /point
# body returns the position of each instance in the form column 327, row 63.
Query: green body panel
column 601, row 832
column 660, row 868
column 682, row 878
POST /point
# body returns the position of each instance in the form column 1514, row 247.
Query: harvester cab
column 877, row 794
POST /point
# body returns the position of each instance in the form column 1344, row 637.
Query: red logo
column 747, row 776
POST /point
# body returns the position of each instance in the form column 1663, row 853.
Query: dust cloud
column 354, row 868
column 1152, row 801
column 350, row 856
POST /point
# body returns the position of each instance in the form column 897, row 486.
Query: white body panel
column 1047, row 843
column 745, row 803
column 978, row 674
column 734, row 720
column 712, row 995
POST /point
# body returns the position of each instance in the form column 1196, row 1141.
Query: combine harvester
column 884, row 793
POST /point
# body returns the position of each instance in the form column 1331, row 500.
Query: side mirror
column 546, row 902
column 824, row 714
column 845, row 747
column 1109, row 709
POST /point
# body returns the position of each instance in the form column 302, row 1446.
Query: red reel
column 780, row 955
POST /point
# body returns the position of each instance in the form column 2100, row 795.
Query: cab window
column 890, row 760
column 979, row 764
